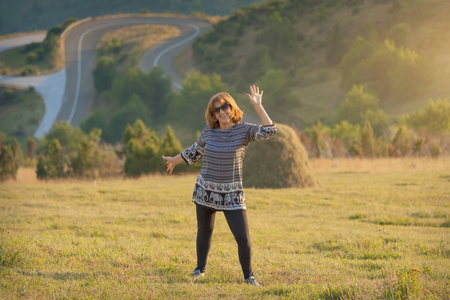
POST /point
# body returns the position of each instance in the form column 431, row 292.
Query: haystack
column 279, row 162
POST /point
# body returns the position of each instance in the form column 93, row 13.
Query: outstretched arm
column 171, row 162
column 256, row 99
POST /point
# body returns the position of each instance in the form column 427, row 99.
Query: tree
column 393, row 72
column 8, row 166
column 88, row 157
column 135, row 109
column 85, row 160
column 347, row 132
column 56, row 163
column 377, row 118
column 104, row 73
column 357, row 102
column 401, row 144
column 141, row 149
column 368, row 141
column 279, row 37
column 17, row 152
column 275, row 85
column 318, row 142
column 100, row 119
column 68, row 136
column 435, row 118
column 31, row 148
column 189, row 107
column 158, row 93
column 41, row 168
column 170, row 145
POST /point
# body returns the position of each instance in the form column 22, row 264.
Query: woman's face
column 222, row 113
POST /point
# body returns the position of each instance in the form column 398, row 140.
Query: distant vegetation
column 21, row 111
column 36, row 58
column 308, row 54
column 126, row 93
column 357, row 65
column 43, row 14
column 354, row 83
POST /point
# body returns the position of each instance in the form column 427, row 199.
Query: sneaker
column 251, row 280
column 197, row 274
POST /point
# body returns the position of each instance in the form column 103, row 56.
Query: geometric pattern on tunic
column 219, row 185
column 219, row 196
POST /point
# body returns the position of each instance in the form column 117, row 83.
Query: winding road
column 69, row 93
column 80, row 49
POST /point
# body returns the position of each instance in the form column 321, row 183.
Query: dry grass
column 381, row 165
column 141, row 37
column 136, row 40
column 375, row 229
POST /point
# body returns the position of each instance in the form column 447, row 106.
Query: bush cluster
column 11, row 156
column 37, row 52
column 423, row 133
column 69, row 152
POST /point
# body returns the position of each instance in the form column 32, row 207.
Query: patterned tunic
column 219, row 185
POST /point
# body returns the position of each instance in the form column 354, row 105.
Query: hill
column 43, row 14
column 307, row 55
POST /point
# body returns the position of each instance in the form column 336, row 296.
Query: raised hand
column 255, row 96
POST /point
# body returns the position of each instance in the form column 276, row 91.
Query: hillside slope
column 43, row 14
column 308, row 54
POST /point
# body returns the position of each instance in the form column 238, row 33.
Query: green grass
column 22, row 117
column 13, row 62
column 374, row 234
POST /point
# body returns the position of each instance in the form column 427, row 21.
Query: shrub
column 435, row 118
column 401, row 144
column 104, row 73
column 8, row 166
column 357, row 102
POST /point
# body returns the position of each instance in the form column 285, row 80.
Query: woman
column 222, row 144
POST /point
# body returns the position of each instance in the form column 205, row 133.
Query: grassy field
column 375, row 229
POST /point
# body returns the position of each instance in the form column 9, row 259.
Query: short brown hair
column 235, row 114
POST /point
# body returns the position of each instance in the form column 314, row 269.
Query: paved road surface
column 21, row 40
column 80, row 57
column 69, row 93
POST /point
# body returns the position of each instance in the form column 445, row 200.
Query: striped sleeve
column 195, row 152
column 260, row 133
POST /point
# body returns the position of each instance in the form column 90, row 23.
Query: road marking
column 167, row 50
column 155, row 62
column 77, row 89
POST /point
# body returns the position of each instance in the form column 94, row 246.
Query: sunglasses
column 223, row 107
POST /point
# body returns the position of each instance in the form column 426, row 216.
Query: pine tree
column 170, row 145
column 141, row 150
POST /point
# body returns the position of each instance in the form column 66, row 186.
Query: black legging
column 237, row 221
